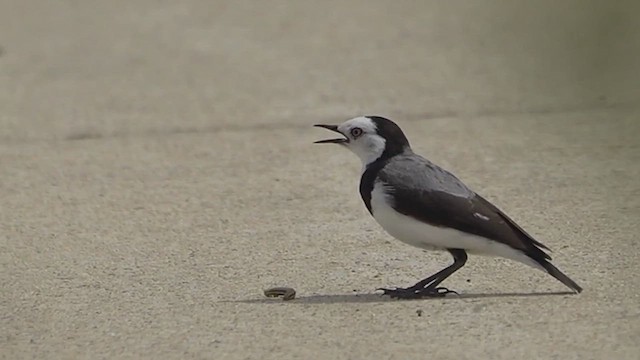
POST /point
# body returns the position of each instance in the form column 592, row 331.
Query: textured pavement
column 157, row 173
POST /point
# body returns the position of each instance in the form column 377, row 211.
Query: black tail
column 553, row 271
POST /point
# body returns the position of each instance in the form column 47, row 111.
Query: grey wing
column 415, row 172
column 433, row 195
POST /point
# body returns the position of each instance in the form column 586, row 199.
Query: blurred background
column 90, row 68
column 157, row 173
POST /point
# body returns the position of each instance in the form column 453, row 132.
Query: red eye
column 355, row 132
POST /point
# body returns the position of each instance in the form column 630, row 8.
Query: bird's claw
column 416, row 293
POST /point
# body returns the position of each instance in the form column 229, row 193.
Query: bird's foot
column 417, row 293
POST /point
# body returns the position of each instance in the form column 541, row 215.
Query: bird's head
column 369, row 137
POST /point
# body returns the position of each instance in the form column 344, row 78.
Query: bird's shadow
column 379, row 298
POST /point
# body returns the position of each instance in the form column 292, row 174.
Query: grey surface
column 158, row 174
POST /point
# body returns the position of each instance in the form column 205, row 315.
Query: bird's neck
column 373, row 160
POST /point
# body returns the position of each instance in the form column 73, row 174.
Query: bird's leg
column 429, row 286
column 418, row 287
column 425, row 288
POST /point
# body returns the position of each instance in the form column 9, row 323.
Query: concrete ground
column 157, row 173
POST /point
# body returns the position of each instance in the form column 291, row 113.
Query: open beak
column 331, row 141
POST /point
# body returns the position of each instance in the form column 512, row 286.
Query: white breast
column 429, row 237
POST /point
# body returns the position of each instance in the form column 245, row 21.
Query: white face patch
column 364, row 140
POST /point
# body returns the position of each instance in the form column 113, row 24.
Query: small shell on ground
column 287, row 293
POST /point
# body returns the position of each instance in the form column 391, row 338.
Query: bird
column 423, row 205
